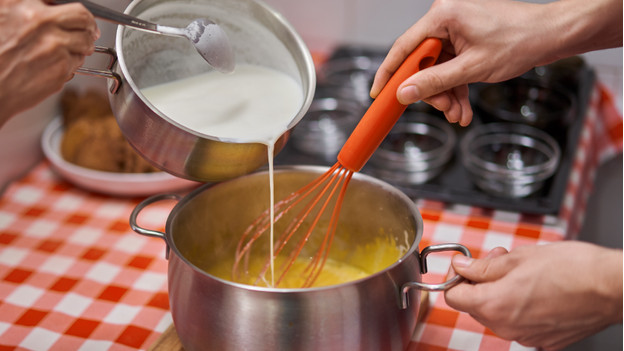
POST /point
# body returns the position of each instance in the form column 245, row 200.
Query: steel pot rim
column 411, row 253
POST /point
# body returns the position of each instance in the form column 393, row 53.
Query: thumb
column 487, row 269
column 432, row 81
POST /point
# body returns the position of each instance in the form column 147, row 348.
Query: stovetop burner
column 421, row 156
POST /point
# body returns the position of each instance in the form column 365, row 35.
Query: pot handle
column 107, row 72
column 149, row 232
column 423, row 268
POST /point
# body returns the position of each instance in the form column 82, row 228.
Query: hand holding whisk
column 311, row 202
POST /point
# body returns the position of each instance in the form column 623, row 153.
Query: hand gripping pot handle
column 423, row 268
column 149, row 232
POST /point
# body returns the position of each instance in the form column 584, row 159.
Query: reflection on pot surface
column 510, row 160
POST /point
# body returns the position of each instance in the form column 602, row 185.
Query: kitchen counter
column 73, row 275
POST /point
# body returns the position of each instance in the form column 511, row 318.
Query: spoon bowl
column 209, row 40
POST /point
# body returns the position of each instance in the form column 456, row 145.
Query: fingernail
column 372, row 93
column 461, row 261
column 408, row 94
column 451, row 118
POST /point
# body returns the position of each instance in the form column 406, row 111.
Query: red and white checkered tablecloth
column 480, row 230
column 74, row 276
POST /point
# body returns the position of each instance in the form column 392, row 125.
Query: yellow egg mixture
column 344, row 266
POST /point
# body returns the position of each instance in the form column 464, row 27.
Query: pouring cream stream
column 253, row 104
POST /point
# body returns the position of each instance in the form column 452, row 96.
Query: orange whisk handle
column 385, row 110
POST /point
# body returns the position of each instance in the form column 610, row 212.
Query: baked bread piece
column 92, row 137
column 75, row 106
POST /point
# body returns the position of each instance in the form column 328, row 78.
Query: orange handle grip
column 385, row 110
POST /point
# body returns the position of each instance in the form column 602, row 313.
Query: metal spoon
column 208, row 38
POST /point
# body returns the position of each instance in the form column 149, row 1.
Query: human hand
column 41, row 46
column 495, row 40
column 545, row 296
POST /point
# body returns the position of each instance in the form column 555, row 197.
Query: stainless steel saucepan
column 258, row 35
column 377, row 312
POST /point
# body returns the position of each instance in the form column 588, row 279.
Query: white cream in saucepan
column 253, row 104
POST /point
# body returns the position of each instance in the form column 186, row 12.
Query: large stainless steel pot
column 258, row 35
column 377, row 312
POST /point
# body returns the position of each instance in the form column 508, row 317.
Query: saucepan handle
column 423, row 268
column 107, row 72
column 149, row 232
column 99, row 11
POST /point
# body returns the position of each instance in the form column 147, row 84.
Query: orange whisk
column 320, row 194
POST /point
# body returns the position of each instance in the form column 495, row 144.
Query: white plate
column 118, row 184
